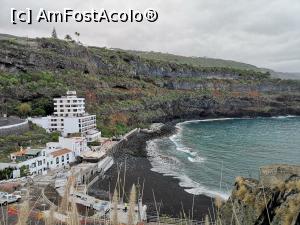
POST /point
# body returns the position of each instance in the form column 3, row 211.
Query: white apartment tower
column 70, row 117
column 69, row 105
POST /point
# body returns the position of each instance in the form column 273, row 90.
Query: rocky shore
column 171, row 199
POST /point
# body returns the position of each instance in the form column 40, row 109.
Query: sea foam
column 171, row 166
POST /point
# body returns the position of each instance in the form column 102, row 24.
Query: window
column 57, row 160
column 67, row 156
column 63, row 158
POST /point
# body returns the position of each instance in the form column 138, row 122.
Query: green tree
column 55, row 136
column 54, row 34
column 24, row 171
column 38, row 112
column 68, row 37
column 6, row 173
column 24, row 109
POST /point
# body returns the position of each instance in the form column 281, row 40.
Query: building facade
column 54, row 155
column 69, row 105
column 69, row 117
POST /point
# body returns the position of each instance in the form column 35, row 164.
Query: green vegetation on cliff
column 35, row 137
column 125, row 89
column 195, row 61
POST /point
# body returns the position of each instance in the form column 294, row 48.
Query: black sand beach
column 170, row 197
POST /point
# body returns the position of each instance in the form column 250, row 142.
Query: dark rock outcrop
column 254, row 202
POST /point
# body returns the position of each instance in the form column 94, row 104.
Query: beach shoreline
column 165, row 189
column 171, row 199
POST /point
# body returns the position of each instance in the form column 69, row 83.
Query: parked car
column 17, row 194
column 2, row 194
column 7, row 199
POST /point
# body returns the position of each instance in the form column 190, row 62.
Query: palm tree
column 77, row 34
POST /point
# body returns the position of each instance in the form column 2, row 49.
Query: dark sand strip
column 170, row 196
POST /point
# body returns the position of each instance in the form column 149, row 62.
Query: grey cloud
column 265, row 33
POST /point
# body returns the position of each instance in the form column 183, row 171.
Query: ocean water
column 207, row 155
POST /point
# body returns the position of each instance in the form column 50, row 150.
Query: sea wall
column 16, row 128
column 118, row 146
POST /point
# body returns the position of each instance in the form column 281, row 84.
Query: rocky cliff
column 126, row 90
column 52, row 54
column 274, row 199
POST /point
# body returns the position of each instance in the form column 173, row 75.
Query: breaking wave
column 171, row 166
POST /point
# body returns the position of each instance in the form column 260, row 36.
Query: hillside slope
column 194, row 61
column 126, row 90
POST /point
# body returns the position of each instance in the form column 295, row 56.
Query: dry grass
column 49, row 219
column 241, row 192
column 293, row 185
column 207, row 222
column 65, row 201
column 73, row 215
column 132, row 204
column 218, row 202
column 278, row 184
column 289, row 213
column 240, row 181
column 115, row 200
column 24, row 212
column 249, row 199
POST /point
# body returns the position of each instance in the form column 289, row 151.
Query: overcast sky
column 265, row 33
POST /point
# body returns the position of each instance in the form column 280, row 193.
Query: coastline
column 171, row 196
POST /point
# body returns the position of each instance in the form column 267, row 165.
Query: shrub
column 24, row 109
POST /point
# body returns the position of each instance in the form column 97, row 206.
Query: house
column 53, row 156
column 76, row 144
column 59, row 158
column 25, row 154
column 34, row 160
column 69, row 118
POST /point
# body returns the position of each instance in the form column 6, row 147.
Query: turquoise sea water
column 207, row 155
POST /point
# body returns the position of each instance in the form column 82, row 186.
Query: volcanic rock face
column 276, row 202
column 126, row 89
column 52, row 54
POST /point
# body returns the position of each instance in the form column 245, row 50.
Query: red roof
column 60, row 152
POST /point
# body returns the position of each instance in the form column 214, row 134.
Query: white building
column 54, row 155
column 70, row 117
column 34, row 160
column 59, row 158
column 69, row 105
